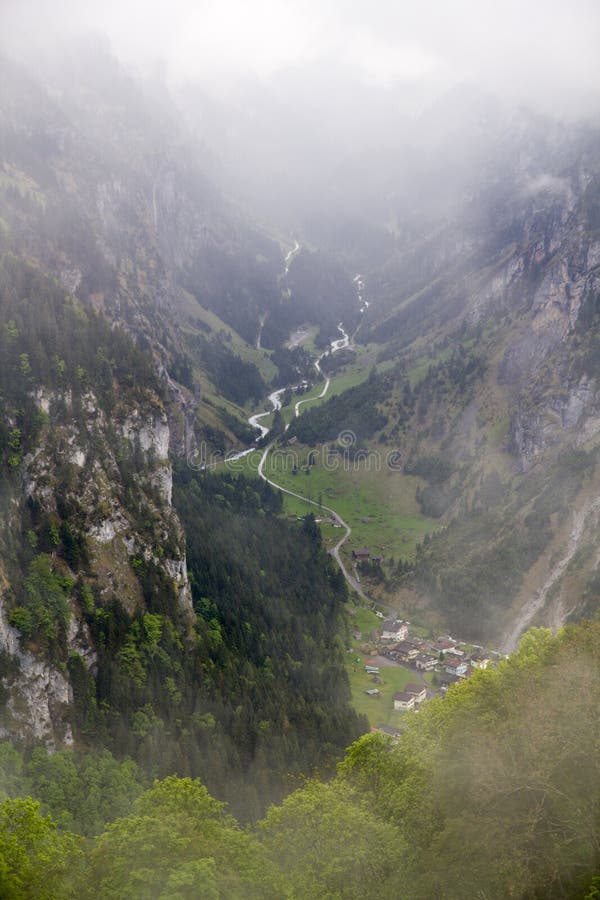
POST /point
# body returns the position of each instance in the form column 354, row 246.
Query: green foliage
column 46, row 338
column 179, row 842
column 270, row 668
column 353, row 410
column 82, row 792
column 45, row 613
column 236, row 379
column 35, row 859
column 490, row 792
column 328, row 843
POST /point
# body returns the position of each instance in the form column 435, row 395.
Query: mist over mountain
column 299, row 349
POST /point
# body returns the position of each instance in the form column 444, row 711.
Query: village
column 392, row 655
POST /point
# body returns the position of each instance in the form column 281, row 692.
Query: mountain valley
column 241, row 426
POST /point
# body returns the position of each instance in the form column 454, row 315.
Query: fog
column 543, row 53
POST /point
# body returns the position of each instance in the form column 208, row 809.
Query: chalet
column 419, row 692
column 361, row 555
column 406, row 651
column 425, row 662
column 456, row 666
column 480, row 660
column 444, row 645
column 394, row 630
column 403, row 701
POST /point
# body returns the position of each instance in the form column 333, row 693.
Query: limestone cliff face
column 568, row 414
column 37, row 696
column 543, row 284
column 111, row 473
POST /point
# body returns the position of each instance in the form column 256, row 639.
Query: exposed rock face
column 153, row 435
column 571, row 415
column 554, row 310
column 162, row 480
column 177, row 569
column 550, row 281
column 39, row 696
column 94, row 451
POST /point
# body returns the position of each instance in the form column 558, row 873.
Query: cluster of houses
column 450, row 659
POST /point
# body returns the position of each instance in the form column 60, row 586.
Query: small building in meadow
column 403, row 701
column 425, row 662
column 419, row 691
column 361, row 555
column 406, row 651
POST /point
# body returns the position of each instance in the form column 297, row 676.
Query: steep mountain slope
column 137, row 300
column 101, row 186
column 131, row 294
column 490, row 320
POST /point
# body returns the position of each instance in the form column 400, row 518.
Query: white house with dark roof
column 456, row 666
column 419, row 692
column 394, row 630
column 425, row 662
column 480, row 659
column 403, row 701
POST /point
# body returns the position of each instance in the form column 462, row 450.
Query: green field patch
column 378, row 709
column 364, row 620
column 237, row 344
column 377, row 503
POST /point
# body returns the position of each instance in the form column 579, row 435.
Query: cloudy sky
column 539, row 51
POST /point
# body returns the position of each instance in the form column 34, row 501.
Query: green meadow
column 377, row 502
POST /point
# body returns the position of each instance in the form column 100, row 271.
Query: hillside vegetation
column 491, row 792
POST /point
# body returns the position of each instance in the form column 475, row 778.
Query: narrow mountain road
column 274, row 398
column 253, row 420
column 335, row 551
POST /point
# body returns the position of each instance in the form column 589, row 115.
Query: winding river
column 275, row 398
column 336, row 345
column 275, row 402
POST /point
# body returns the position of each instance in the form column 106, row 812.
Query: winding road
column 335, row 551
column 254, row 420
column 275, row 401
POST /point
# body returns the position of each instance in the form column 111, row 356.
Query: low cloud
column 544, row 54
